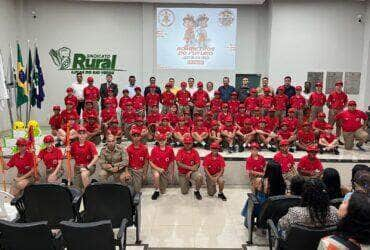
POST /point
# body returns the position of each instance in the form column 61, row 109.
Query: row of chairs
column 105, row 205
column 271, row 211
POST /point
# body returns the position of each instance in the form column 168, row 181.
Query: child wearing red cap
column 138, row 102
column 228, row 132
column 234, row 103
column 172, row 115
column 214, row 167
column 252, row 101
column 140, row 126
column 310, row 166
column 216, row 103
column 215, row 133
column 317, row 101
column 111, row 98
column 183, row 97
column 52, row 158
column 165, row 128
column 245, row 134
column 62, row 132
column 24, row 162
column 285, row 135
column 319, row 124
column 167, row 99
column 55, row 120
column 71, row 97
column 124, row 99
column 298, row 102
column 336, row 102
column 161, row 160
column 291, row 120
column 286, row 161
column 107, row 115
column 152, row 99
column 328, row 142
column 89, row 110
column 114, row 129
column 305, row 137
column 188, row 161
column 281, row 103
column 221, row 117
column 241, row 115
column 128, row 118
column 200, row 99
column 199, row 132
column 353, row 123
column 152, row 120
column 265, row 136
column 180, row 131
column 272, row 122
column 91, row 92
column 69, row 113
column 255, row 165
column 266, row 100
column 93, row 129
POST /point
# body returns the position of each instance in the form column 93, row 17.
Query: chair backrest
column 108, row 201
column 26, row 236
column 336, row 202
column 48, row 202
column 88, row 236
column 276, row 207
column 310, row 235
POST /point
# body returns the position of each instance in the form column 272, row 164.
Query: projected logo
column 85, row 63
column 166, row 17
column 196, row 38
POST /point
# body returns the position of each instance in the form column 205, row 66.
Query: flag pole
column 28, row 106
column 7, row 100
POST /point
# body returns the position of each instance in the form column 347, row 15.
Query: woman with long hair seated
column 315, row 210
column 331, row 179
column 271, row 184
column 354, row 226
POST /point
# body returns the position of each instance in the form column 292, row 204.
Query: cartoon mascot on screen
column 202, row 24
column 189, row 35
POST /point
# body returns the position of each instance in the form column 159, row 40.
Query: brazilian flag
column 22, row 90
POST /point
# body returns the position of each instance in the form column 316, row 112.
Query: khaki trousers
column 349, row 137
column 184, row 183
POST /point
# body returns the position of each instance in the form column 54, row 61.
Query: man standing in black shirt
column 152, row 81
column 105, row 86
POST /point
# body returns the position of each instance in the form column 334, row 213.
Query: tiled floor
column 176, row 220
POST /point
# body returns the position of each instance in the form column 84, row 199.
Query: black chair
column 336, row 202
column 273, row 208
column 114, row 202
column 91, row 236
column 47, row 202
column 27, row 236
column 299, row 237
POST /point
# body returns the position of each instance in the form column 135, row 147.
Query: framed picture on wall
column 254, row 80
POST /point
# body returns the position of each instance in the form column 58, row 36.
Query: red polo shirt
column 285, row 135
column 106, row 114
column 83, row 154
column 129, row 116
column 153, row 118
column 91, row 93
column 292, row 123
column 337, row 100
column 328, row 137
column 306, row 137
column 152, row 99
column 112, row 100
column 307, row 165
column 286, row 161
column 164, row 129
column 55, row 122
column 51, row 158
column 71, row 98
column 297, row 102
column 351, row 120
column 187, row 157
column 137, row 156
column 122, row 102
column 251, row 102
column 214, row 164
column 256, row 165
column 199, row 129
column 266, row 102
column 23, row 164
column 167, row 98
column 233, row 106
column 317, row 99
column 216, row 105
column 162, row 158
column 138, row 102
column 182, row 129
column 200, row 98
column 281, row 102
column 183, row 97
column 91, row 127
column 86, row 112
column 231, row 128
column 67, row 115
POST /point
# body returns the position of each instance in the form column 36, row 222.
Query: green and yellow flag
column 22, row 89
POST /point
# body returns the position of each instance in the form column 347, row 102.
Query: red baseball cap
column 199, row 119
column 284, row 143
column 215, row 145
column 298, row 88
column 339, row 83
column 291, row 110
column 352, row 103
column 328, row 126
column 188, row 140
column 135, row 131
column 214, row 123
column 306, row 124
column 281, row 88
column 106, row 101
column 200, row 84
column 114, row 120
column 21, row 142
column 90, row 79
column 161, row 137
column 284, row 124
column 90, row 101
column 69, row 102
column 92, row 116
column 217, row 92
column 183, row 84
column 137, row 88
column 165, row 117
column 241, row 105
column 319, row 84
column 56, row 107
column 224, row 105
column 168, row 85
column 255, row 145
column 228, row 119
column 48, row 139
column 322, row 114
column 266, row 89
column 253, row 90
column 81, row 128
column 69, row 90
column 247, row 121
column 312, row 149
column 209, row 113
column 234, row 93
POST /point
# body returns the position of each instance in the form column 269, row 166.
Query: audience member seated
column 315, row 210
column 296, row 185
column 331, row 179
column 354, row 226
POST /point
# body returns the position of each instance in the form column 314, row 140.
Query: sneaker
column 230, row 150
column 203, row 143
column 58, row 144
column 359, row 146
column 321, row 150
column 271, row 148
column 155, row 195
column 241, row 149
column 207, row 146
column 222, row 196
column 336, row 151
column 291, row 149
column 94, row 180
column 197, row 195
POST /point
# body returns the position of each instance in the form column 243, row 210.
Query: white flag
column 3, row 90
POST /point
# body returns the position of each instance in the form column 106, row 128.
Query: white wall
column 281, row 37
column 319, row 35
column 8, row 35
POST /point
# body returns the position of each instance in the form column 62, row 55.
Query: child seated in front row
column 328, row 142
